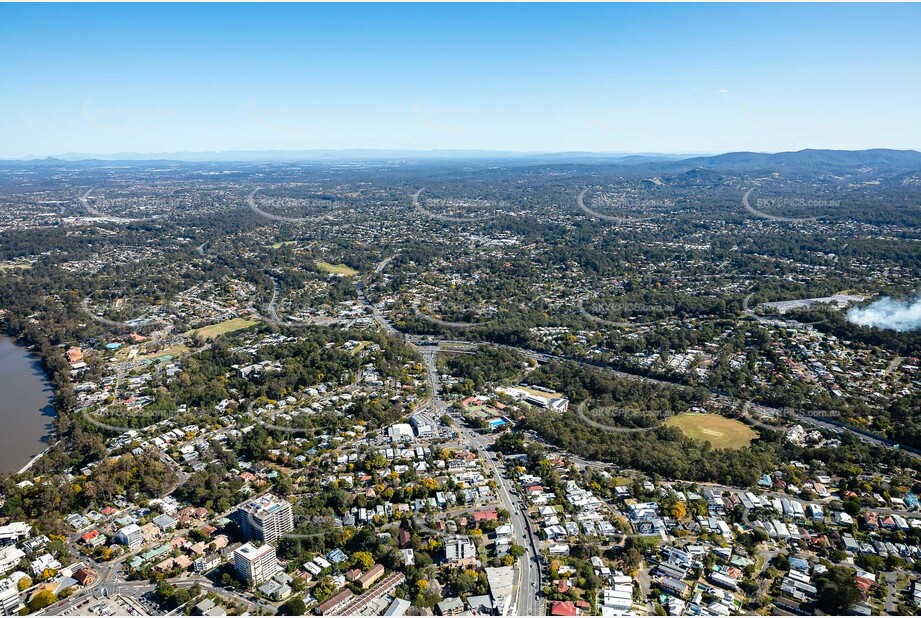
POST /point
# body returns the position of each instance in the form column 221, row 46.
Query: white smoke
column 897, row 315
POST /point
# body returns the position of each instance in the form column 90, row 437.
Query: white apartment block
column 10, row 557
column 255, row 564
column 131, row 536
column 10, row 603
column 265, row 518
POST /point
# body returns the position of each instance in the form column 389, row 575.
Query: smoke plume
column 897, row 315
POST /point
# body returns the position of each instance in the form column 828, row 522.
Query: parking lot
column 116, row 606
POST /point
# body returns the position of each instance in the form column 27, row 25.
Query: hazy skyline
column 611, row 78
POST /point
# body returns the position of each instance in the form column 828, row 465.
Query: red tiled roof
column 84, row 576
column 563, row 608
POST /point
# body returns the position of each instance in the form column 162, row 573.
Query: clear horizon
column 665, row 79
column 240, row 156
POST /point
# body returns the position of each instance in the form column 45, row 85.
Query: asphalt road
column 892, row 596
column 528, row 572
column 542, row 357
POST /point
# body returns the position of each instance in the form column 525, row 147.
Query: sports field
column 719, row 431
column 175, row 351
column 336, row 269
column 222, row 328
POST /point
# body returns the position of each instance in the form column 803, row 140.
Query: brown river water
column 26, row 409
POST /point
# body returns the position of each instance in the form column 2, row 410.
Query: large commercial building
column 255, row 565
column 501, row 588
column 265, row 518
column 401, row 432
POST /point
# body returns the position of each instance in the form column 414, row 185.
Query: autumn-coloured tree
column 678, row 510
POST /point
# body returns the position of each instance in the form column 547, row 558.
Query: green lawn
column 335, row 269
column 719, row 431
column 175, row 351
column 222, row 328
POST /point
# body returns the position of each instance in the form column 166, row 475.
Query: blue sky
column 616, row 78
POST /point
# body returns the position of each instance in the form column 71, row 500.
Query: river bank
column 26, row 407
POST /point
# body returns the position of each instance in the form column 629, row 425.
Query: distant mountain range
column 803, row 161
column 250, row 156
column 809, row 160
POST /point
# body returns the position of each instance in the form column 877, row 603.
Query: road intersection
column 528, row 570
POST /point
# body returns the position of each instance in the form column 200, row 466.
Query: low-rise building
column 365, row 580
column 460, row 551
column 335, row 603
